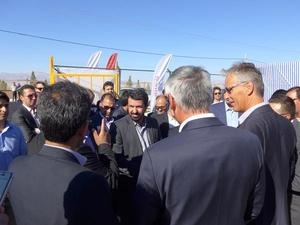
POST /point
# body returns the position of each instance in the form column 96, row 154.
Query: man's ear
column 250, row 88
column 172, row 103
column 81, row 132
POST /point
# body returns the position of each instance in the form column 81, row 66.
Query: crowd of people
column 202, row 156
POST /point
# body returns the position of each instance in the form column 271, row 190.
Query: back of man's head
column 62, row 109
column 284, row 106
column 3, row 97
column 124, row 98
column 191, row 88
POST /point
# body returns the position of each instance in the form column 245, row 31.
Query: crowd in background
column 203, row 155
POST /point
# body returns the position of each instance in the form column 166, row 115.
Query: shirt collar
column 247, row 113
column 143, row 125
column 195, row 117
column 81, row 159
column 28, row 108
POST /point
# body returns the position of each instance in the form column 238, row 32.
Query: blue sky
column 266, row 31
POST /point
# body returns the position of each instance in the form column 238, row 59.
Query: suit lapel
column 28, row 117
column 133, row 134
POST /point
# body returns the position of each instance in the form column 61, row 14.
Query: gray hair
column 191, row 88
column 248, row 72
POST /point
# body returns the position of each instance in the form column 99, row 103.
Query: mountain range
column 22, row 76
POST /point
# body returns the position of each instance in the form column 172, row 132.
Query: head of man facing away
column 189, row 92
column 63, row 109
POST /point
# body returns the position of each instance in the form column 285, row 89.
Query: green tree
column 3, row 85
column 138, row 84
column 32, row 78
column 129, row 82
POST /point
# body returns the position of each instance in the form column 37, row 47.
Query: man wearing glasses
column 26, row 118
column 39, row 87
column 217, row 92
column 245, row 87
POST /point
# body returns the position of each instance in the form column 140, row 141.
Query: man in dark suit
column 26, row 118
column 224, row 112
column 245, row 87
column 208, row 173
column 52, row 186
column 162, row 115
column 131, row 135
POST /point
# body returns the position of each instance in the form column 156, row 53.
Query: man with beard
column 131, row 135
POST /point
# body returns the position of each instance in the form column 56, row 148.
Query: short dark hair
column 26, row 86
column 3, row 96
column 287, row 105
column 278, row 93
column 107, row 83
column 62, row 109
column 124, row 98
column 139, row 94
column 216, row 88
column 40, row 82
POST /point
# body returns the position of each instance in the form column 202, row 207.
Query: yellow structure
column 92, row 78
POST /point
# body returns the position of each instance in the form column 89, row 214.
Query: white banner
column 94, row 60
column 158, row 78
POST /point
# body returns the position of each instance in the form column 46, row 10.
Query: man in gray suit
column 52, row 187
column 131, row 135
column 209, row 173
column 244, row 84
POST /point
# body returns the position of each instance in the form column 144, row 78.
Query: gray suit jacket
column 207, row 174
column 278, row 138
column 126, row 143
column 51, row 188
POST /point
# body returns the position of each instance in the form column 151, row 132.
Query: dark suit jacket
column 102, row 162
column 163, row 123
column 218, row 109
column 50, row 187
column 23, row 119
column 126, row 144
column 278, row 139
column 207, row 174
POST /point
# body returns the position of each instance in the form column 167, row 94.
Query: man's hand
column 103, row 136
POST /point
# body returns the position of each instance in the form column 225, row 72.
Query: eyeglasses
column 107, row 108
column 160, row 108
column 229, row 89
column 31, row 96
column 40, row 88
column 217, row 93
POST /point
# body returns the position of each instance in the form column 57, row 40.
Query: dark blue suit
column 278, row 139
column 207, row 174
column 52, row 188
column 219, row 110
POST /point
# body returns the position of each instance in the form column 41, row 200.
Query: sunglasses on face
column 217, row 93
column 40, row 88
